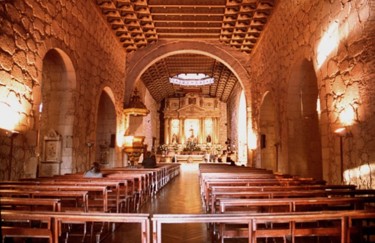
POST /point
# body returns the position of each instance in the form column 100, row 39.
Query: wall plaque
column 52, row 145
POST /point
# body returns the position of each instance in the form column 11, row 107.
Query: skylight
column 191, row 79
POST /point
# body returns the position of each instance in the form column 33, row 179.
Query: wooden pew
column 142, row 219
column 133, row 184
column 265, row 194
column 11, row 230
column 293, row 204
column 119, row 193
column 46, row 204
column 79, row 198
column 94, row 192
column 209, row 182
column 56, row 219
column 254, row 221
column 329, row 189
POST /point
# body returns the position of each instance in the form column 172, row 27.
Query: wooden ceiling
column 236, row 23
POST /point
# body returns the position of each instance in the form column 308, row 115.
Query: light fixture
column 89, row 144
column 342, row 132
column 136, row 107
column 191, row 79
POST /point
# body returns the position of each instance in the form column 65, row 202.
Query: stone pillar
column 180, row 131
column 204, row 134
column 215, row 130
column 183, row 130
column 166, row 130
column 201, row 132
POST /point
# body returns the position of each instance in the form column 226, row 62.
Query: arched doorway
column 57, row 110
column 268, row 141
column 105, row 131
column 304, row 146
column 242, row 130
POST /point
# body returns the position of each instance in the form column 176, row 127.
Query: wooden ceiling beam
column 186, row 6
column 187, row 28
column 207, row 14
column 187, row 21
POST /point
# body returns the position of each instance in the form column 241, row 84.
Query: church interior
column 251, row 109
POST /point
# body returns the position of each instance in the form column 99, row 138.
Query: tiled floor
column 180, row 196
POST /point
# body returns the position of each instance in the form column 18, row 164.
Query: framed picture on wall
column 52, row 147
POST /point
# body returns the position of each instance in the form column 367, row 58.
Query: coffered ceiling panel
column 156, row 77
column 234, row 23
column 237, row 23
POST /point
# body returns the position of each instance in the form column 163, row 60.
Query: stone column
column 183, row 130
column 180, row 131
column 215, row 130
column 204, row 134
column 166, row 130
column 201, row 132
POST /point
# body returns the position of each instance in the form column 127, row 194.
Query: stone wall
column 29, row 29
column 294, row 34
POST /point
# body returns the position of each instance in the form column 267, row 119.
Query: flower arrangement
column 163, row 148
column 191, row 146
column 175, row 147
column 218, row 147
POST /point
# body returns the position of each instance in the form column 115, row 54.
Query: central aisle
column 179, row 196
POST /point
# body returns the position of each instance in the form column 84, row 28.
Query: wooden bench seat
column 296, row 224
column 46, row 204
column 70, row 200
column 58, row 218
column 14, row 230
column 293, row 204
column 266, row 194
column 329, row 189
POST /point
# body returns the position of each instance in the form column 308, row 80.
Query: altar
column 181, row 158
column 189, row 158
column 194, row 119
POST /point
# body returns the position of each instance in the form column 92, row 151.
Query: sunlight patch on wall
column 328, row 43
column 318, row 107
column 11, row 117
column 252, row 140
column 242, row 129
column 360, row 175
column 347, row 116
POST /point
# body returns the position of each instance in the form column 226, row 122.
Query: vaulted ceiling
column 235, row 23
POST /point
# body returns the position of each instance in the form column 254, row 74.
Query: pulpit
column 134, row 148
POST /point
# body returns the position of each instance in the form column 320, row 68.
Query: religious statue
column 208, row 139
column 192, row 138
column 174, row 138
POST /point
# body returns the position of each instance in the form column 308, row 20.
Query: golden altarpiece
column 192, row 123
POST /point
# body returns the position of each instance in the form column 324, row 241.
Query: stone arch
column 106, row 129
column 304, row 144
column 269, row 144
column 55, row 103
column 144, row 59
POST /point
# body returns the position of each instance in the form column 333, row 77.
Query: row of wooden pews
column 285, row 208
column 55, row 207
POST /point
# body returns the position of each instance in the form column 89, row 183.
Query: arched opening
column 57, row 112
column 242, row 129
column 268, row 141
column 105, row 131
column 304, row 145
